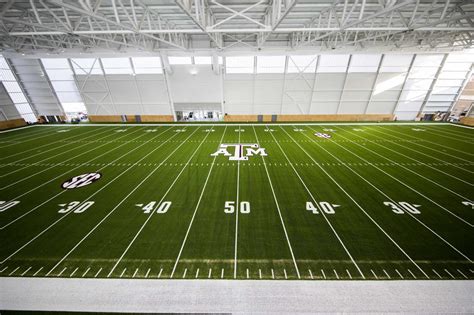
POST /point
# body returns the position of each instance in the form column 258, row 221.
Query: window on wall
column 117, row 65
column 64, row 85
column 15, row 92
column 304, row 64
column 271, row 64
column 239, row 64
column 143, row 65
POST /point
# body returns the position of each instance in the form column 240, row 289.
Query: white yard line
column 196, row 209
column 163, row 197
column 35, row 148
column 418, row 161
column 237, row 210
column 127, row 196
column 23, row 141
column 64, row 216
column 317, row 205
column 73, row 156
column 386, row 196
column 442, row 134
column 16, row 129
column 438, row 151
column 278, row 208
column 354, row 201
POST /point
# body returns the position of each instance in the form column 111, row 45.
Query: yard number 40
column 244, row 207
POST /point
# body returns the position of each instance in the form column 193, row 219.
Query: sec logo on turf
column 81, row 180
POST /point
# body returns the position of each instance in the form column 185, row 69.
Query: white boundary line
column 418, row 161
column 406, row 185
column 355, row 202
column 388, row 197
column 46, row 134
column 196, row 209
column 17, row 128
column 161, row 201
column 64, row 216
column 278, row 208
column 317, row 205
column 443, row 134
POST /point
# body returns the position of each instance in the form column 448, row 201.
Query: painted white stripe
column 317, row 205
column 147, row 273
column 273, row 274
column 34, row 275
column 210, row 273
column 59, row 275
column 284, row 272
column 324, row 275
column 354, row 201
column 260, row 273
column 4, row 269
column 335, row 272
column 222, row 273
column 185, row 271
column 462, row 273
column 197, row 273
column 196, row 209
column 401, row 276
column 247, row 273
column 237, row 210
column 439, row 276
column 164, row 195
column 449, row 273
column 121, row 275
column 24, row 272
column 13, row 271
column 85, row 272
column 386, row 273
column 159, row 274
column 349, row 274
column 135, row 273
column 278, row 208
column 412, row 273
column 98, row 272
column 310, row 274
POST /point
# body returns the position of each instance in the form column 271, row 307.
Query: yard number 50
column 229, row 207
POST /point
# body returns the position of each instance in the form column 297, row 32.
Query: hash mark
column 388, row 276
column 310, row 274
column 13, row 271
column 72, row 274
column 135, row 273
column 98, row 272
column 121, row 275
column 449, row 273
column 461, row 273
column 222, row 273
column 412, row 273
column 32, row 267
column 197, row 273
column 399, row 273
column 260, row 273
column 337, row 276
column 184, row 273
column 349, row 273
column 284, row 271
column 374, row 274
column 4, row 269
column 210, row 273
column 37, row 272
column 59, row 275
column 273, row 274
column 159, row 274
column 84, row 274
column 324, row 275
column 439, row 276
column 147, row 273
column 247, row 273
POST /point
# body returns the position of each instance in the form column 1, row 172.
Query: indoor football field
column 230, row 201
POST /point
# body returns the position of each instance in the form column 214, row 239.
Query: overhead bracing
column 218, row 25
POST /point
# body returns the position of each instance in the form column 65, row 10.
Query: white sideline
column 15, row 129
column 270, row 124
column 152, row 295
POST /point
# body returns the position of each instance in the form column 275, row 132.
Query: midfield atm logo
column 239, row 152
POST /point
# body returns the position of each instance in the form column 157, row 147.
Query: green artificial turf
column 349, row 182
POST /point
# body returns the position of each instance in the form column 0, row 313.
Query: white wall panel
column 324, row 108
column 376, row 107
column 352, row 107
